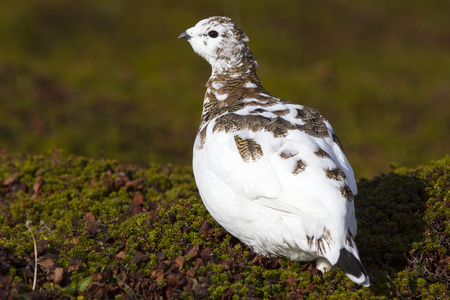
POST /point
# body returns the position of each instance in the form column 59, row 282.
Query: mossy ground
column 108, row 230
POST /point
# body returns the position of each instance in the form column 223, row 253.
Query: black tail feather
column 352, row 267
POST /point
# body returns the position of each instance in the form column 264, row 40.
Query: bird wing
column 295, row 173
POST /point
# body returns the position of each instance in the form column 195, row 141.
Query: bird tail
column 353, row 268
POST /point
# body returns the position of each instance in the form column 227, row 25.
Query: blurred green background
column 110, row 78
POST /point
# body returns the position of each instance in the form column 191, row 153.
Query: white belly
column 267, row 207
column 260, row 227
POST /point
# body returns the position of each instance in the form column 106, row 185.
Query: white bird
column 271, row 172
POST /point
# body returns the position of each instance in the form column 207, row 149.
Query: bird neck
column 232, row 58
column 233, row 84
column 229, row 90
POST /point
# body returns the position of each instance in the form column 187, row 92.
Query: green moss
column 108, row 224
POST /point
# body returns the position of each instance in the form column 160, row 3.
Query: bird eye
column 213, row 34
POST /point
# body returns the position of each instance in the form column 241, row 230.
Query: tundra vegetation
column 97, row 228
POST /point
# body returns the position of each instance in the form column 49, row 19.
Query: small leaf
column 11, row 179
column 84, row 283
column 38, row 184
column 193, row 250
column 74, row 264
column 47, row 264
column 58, row 275
column 139, row 257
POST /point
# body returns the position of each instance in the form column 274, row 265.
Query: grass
column 110, row 79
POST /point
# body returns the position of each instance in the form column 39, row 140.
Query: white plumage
column 271, row 172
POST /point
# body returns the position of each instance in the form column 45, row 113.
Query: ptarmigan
column 271, row 172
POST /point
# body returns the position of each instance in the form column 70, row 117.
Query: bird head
column 221, row 42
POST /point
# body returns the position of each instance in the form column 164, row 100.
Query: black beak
column 185, row 35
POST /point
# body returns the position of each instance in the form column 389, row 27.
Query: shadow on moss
column 390, row 211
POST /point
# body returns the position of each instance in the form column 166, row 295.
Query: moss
column 116, row 229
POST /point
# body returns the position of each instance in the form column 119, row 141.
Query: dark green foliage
column 107, row 229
